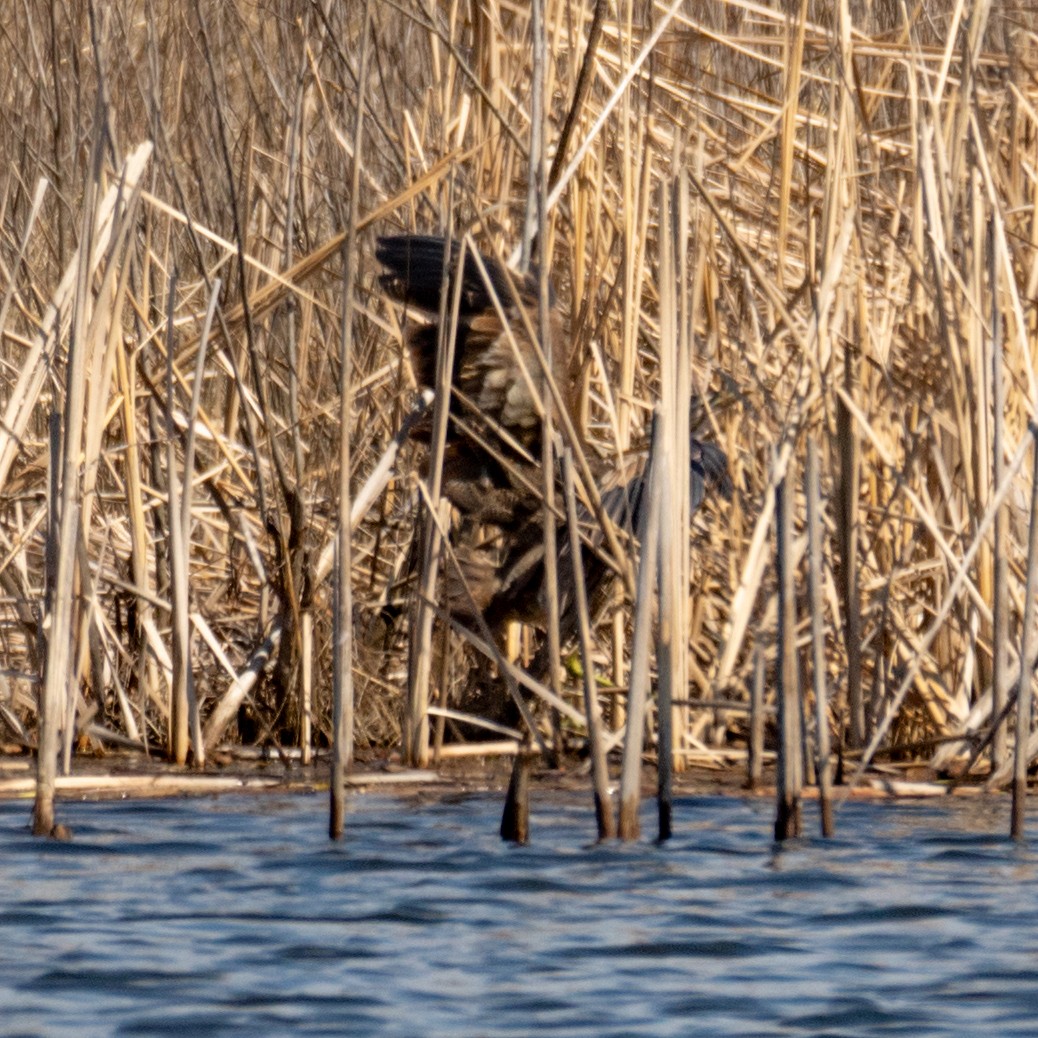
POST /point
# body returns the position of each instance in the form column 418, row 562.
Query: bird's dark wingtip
column 413, row 268
column 709, row 472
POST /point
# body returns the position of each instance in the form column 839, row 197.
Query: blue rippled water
column 237, row 916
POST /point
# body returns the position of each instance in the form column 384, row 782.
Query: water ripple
column 237, row 917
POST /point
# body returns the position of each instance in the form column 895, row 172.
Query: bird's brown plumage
column 493, row 449
column 496, row 366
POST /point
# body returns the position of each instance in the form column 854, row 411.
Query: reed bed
column 825, row 215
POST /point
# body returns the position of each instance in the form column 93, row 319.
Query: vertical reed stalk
column 681, row 397
column 823, row 767
column 599, row 770
column 306, row 688
column 672, row 635
column 665, row 645
column 185, row 521
column 790, row 761
column 648, row 535
column 847, row 439
column 1000, row 578
column 415, row 729
column 443, row 679
column 1028, row 639
column 65, row 524
column 137, row 530
column 537, row 217
column 182, row 684
column 793, row 65
column 342, row 627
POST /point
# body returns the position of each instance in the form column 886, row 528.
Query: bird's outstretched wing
column 414, row 275
column 496, row 367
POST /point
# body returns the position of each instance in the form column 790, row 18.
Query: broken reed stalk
column 342, row 623
column 585, row 78
column 847, row 531
column 755, row 751
column 15, row 264
column 1028, row 639
column 823, row 767
column 641, row 641
column 244, row 681
column 599, row 770
column 306, row 688
column 383, row 472
column 24, row 397
column 515, row 819
column 754, row 568
column 789, row 782
column 377, row 481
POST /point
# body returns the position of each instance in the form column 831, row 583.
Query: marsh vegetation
column 820, row 220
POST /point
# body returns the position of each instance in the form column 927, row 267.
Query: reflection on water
column 237, row 916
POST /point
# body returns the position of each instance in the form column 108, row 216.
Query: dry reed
column 860, row 260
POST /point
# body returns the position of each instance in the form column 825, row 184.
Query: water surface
column 237, row 916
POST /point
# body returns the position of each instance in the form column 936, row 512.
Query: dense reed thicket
column 855, row 187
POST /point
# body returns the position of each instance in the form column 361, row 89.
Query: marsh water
column 237, row 916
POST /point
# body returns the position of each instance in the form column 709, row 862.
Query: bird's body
column 491, row 467
column 496, row 367
column 498, row 383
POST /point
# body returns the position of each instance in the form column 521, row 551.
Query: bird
column 493, row 446
column 624, row 499
column 498, row 382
